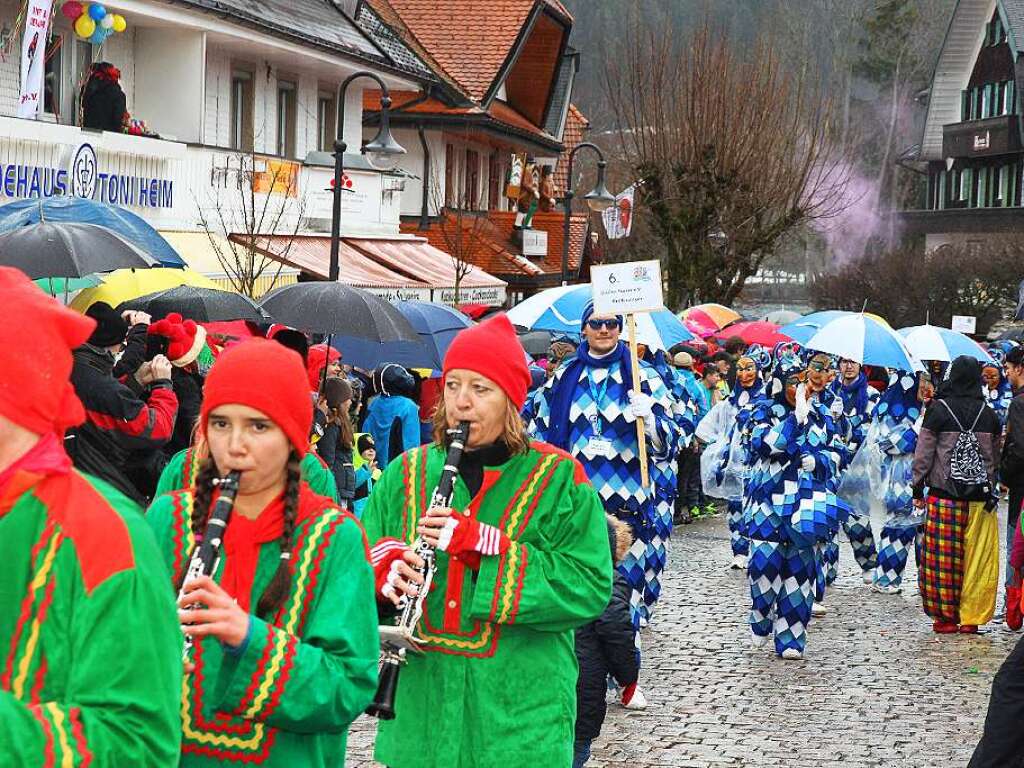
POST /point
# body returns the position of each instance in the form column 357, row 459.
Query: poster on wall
column 33, row 56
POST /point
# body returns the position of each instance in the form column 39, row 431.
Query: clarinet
column 206, row 554
column 398, row 639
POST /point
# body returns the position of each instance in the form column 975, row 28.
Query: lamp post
column 382, row 153
column 599, row 198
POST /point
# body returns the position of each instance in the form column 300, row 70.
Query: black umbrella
column 68, row 249
column 204, row 305
column 336, row 308
column 536, row 343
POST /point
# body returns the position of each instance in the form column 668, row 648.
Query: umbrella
column 536, row 343
column 126, row 284
column 930, row 342
column 781, row 316
column 204, row 305
column 801, row 330
column 855, row 336
column 436, row 324
column 68, row 250
column 720, row 314
column 336, row 308
column 65, row 208
column 560, row 310
column 476, row 311
column 66, row 285
column 756, row 332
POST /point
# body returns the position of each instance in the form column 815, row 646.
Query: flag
column 618, row 218
column 33, row 56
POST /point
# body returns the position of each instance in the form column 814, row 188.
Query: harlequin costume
column 528, row 561
column 585, row 404
column 91, row 652
column 287, row 696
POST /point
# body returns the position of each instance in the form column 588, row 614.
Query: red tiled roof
column 487, row 30
column 499, row 111
column 576, row 124
column 490, row 247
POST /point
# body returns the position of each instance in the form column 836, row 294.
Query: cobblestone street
column 877, row 688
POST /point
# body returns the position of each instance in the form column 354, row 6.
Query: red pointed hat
column 492, row 349
column 36, row 339
column 185, row 338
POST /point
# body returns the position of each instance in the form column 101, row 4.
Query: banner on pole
column 618, row 218
column 38, row 15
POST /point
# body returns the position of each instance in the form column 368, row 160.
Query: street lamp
column 382, row 152
column 598, row 199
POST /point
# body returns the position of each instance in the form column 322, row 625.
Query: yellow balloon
column 85, row 26
column 120, row 25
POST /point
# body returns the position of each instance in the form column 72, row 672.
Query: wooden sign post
column 626, row 289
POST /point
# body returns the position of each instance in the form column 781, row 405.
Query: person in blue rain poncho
column 392, row 418
column 589, row 409
column 789, row 508
column 725, row 462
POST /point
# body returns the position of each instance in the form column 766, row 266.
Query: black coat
column 103, row 106
column 339, row 460
column 604, row 647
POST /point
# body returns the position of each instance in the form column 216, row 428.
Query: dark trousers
column 1002, row 742
column 691, row 492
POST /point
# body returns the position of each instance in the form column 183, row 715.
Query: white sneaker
column 758, row 641
column 792, row 654
column 739, row 563
column 886, row 589
column 818, row 609
column 639, row 701
column 869, row 577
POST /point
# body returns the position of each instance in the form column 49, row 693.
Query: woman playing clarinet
column 284, row 633
column 521, row 559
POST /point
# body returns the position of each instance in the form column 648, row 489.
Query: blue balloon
column 97, row 12
column 100, row 35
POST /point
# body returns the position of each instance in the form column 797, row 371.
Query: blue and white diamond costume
column 585, row 409
column 789, row 510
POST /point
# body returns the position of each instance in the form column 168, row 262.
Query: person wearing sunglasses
column 589, row 409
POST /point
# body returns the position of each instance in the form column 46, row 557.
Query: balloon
column 97, row 11
column 120, row 25
column 107, row 22
column 99, row 36
column 72, row 9
column 85, row 26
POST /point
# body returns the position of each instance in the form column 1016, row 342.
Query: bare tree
column 734, row 152
column 254, row 197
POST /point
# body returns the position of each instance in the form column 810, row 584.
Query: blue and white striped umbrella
column 801, row 329
column 560, row 310
column 856, row 336
column 931, row 342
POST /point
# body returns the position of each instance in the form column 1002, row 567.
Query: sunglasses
column 598, row 324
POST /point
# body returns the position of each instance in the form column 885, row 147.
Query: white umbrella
column 856, row 336
column 931, row 342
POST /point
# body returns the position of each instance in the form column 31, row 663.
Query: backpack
column 968, row 478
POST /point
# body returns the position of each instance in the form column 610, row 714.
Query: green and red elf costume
column 90, row 650
column 522, row 562
column 287, row 695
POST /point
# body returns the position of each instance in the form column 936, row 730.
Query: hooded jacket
column 961, row 392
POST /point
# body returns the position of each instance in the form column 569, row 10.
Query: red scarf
column 46, row 457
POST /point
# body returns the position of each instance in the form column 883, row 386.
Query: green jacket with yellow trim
column 180, row 472
column 497, row 682
column 288, row 698
column 89, row 641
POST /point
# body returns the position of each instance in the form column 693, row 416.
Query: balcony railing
column 982, row 138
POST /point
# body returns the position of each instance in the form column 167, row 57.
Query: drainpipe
column 425, row 204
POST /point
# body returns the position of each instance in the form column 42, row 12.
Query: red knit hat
column 319, row 356
column 268, row 377
column 185, row 338
column 492, row 349
column 36, row 339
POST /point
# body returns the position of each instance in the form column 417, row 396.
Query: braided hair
column 275, row 592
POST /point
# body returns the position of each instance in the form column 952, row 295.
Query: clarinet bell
column 383, row 705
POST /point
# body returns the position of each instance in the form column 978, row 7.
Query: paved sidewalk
column 877, row 688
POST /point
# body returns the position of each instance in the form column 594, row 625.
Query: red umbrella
column 699, row 321
column 755, row 332
column 477, row 311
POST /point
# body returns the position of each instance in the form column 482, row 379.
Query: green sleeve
column 123, row 688
column 559, row 579
column 170, row 477
column 387, row 497
column 324, row 680
column 319, row 478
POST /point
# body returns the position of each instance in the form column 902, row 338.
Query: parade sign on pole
column 964, row 324
column 625, row 289
column 33, row 57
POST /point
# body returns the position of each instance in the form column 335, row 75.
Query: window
column 942, row 191
column 471, row 185
column 53, row 86
column 493, row 182
column 964, row 189
column 449, row 175
column 286, row 118
column 995, row 33
column 326, row 119
column 986, row 101
column 241, row 111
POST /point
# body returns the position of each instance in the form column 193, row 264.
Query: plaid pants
column 941, row 570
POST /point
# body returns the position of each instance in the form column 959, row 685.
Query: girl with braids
column 285, row 631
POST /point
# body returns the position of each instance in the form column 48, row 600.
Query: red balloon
column 72, row 9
